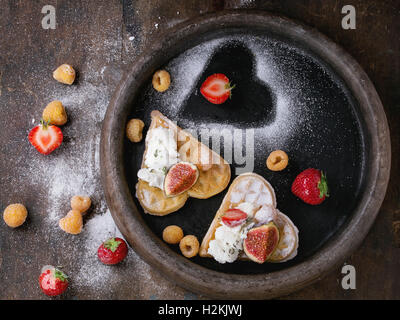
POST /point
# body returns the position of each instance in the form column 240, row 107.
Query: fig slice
column 261, row 242
column 180, row 178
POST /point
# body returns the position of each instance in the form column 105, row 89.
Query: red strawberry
column 45, row 138
column 234, row 217
column 311, row 186
column 216, row 88
column 112, row 251
column 53, row 281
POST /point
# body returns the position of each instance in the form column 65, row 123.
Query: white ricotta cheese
column 247, row 208
column 160, row 156
column 227, row 244
column 228, row 241
column 155, row 178
column 265, row 214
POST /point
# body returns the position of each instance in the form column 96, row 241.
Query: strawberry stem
column 323, row 186
column 112, row 244
column 229, row 87
column 44, row 123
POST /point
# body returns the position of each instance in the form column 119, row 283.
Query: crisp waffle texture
column 288, row 242
column 252, row 188
column 214, row 172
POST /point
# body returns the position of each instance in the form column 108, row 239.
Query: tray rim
column 233, row 286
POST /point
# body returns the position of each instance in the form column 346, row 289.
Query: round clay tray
column 334, row 121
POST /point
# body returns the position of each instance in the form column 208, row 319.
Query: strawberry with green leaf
column 311, row 186
column 53, row 281
column 112, row 251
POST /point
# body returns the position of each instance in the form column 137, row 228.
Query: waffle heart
column 254, row 189
column 214, row 171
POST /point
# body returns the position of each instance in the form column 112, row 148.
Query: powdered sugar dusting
column 185, row 71
column 92, row 273
column 187, row 68
column 286, row 85
column 270, row 67
column 74, row 169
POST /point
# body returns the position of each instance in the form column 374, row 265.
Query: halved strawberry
column 234, row 217
column 45, row 138
column 216, row 88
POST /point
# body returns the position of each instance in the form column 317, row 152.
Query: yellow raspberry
column 80, row 203
column 161, row 80
column 277, row 160
column 55, row 113
column 134, row 130
column 189, row 246
column 172, row 234
column 72, row 223
column 15, row 215
column 64, row 74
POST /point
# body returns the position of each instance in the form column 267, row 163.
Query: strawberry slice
column 217, row 88
column 45, row 138
column 234, row 217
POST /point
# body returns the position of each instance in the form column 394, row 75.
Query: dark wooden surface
column 100, row 38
